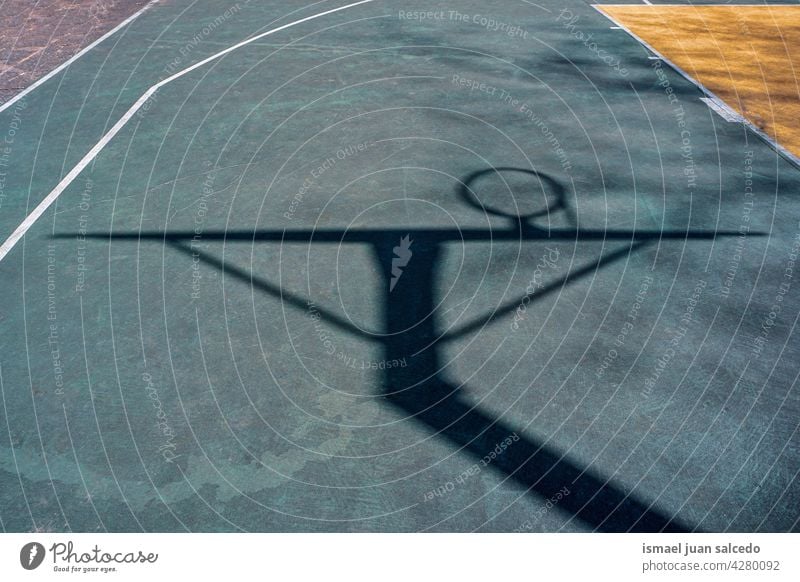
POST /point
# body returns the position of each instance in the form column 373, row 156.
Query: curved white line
column 98, row 147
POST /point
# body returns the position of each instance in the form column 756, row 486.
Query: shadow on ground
column 420, row 389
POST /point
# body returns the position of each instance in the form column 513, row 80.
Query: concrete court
column 591, row 321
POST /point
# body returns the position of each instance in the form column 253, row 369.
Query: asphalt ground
column 401, row 267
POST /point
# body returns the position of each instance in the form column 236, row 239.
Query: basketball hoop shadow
column 419, row 389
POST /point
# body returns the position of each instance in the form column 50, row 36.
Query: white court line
column 98, row 147
column 75, row 57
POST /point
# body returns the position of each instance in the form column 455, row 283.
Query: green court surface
column 400, row 267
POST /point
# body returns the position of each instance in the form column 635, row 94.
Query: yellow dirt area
column 749, row 56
